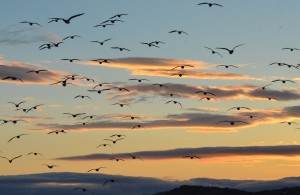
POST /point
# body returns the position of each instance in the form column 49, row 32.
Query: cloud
column 20, row 69
column 204, row 152
column 163, row 67
column 13, row 35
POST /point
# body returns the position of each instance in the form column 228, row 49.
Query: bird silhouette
column 122, row 104
column 34, row 107
column 114, row 141
column 230, row 51
column 139, row 80
column 100, row 85
column 161, row 85
column 179, row 74
column 183, row 66
column 117, row 159
column 34, row 153
column 66, row 21
column 239, row 108
column 18, row 137
column 96, row 169
column 57, row 131
column 290, row 48
column 120, row 88
column 17, row 105
column 111, row 21
column 37, row 71
column 118, row 16
column 210, row 4
column 50, row 166
column 121, row 48
column 118, row 135
column 75, row 115
column 82, row 96
column 101, row 61
column 283, row 80
column 191, row 157
column 12, row 78
column 175, row 102
column 101, row 42
column 207, row 98
column 151, row 44
column 135, row 157
column 15, row 121
column 132, row 117
column 11, row 160
column 213, row 51
column 98, row 91
column 232, row 122
column 90, row 117
column 103, row 25
column 205, row 92
column 137, row 126
column 83, row 190
column 264, row 87
column 289, row 122
column 108, row 181
column 31, row 23
column 178, row 31
column 104, row 145
column 70, row 37
column 71, row 59
column 227, row 66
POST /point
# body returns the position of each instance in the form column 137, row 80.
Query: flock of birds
column 105, row 86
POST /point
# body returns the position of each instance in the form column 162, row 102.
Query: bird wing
column 238, row 46
column 75, row 16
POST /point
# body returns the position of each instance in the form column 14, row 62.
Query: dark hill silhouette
column 200, row 190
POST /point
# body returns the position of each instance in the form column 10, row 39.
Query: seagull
column 151, row 44
column 175, row 102
column 132, row 117
column 104, row 145
column 191, row 157
column 90, row 116
column 205, row 92
column 264, row 87
column 75, row 115
column 283, row 81
column 15, row 121
column 291, row 49
column 232, row 122
column 11, row 160
column 103, row 25
column 97, row 169
column 210, row 4
column 12, row 78
column 88, row 79
column 70, row 37
column 118, row 16
column 289, row 122
column 100, row 85
column 139, row 80
column 100, row 61
column 56, row 44
column 50, row 166
column 117, row 159
column 63, row 83
column 137, row 126
column 107, row 181
column 120, row 88
column 113, row 141
column 36, row 71
column 118, row 135
column 278, row 63
column 183, row 66
column 34, row 153
column 135, row 157
column 157, row 42
column 84, row 190
column 33, row 107
column 120, row 48
column 178, row 31
column 18, row 137
column 239, row 108
column 71, row 59
column 101, row 42
column 17, row 104
column 207, row 98
column 213, row 51
column 122, row 104
column 230, row 50
column 82, row 96
column 160, row 85
column 179, row 74
column 112, row 21
column 253, row 116
column 31, row 23
column 98, row 91
column 227, row 66
column 66, row 21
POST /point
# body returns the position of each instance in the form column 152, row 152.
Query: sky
column 262, row 143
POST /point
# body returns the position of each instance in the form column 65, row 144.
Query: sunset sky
column 262, row 147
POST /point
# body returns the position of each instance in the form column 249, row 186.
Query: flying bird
column 109, row 181
column 118, row 135
column 290, row 122
column 50, row 166
column 135, row 157
column 283, row 80
column 264, row 87
column 230, row 50
column 178, row 31
column 175, row 102
column 18, row 137
column 31, row 23
column 291, row 49
column 98, row 91
column 103, row 25
column 71, row 59
column 113, row 141
column 205, row 92
column 210, row 4
column 112, row 21
column 120, row 88
column 160, row 85
column 227, row 66
column 84, row 190
column 96, row 169
column 117, row 159
column 66, row 21
column 207, row 98
column 34, row 153
column 75, row 115
column 137, row 126
column 183, row 66
column 12, row 78
column 11, row 160
column 104, row 145
column 239, row 108
column 120, row 48
column 101, row 42
column 139, row 80
column 100, row 85
column 17, row 105
column 118, row 16
column 36, row 71
column 179, row 74
column 191, row 157
column 151, row 44
column 213, row 51
column 82, row 96
column 70, row 37
column 232, row 122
